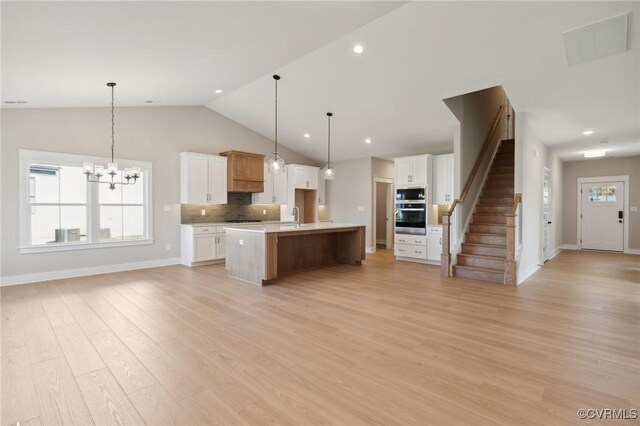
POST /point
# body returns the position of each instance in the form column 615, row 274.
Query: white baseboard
column 527, row 273
column 382, row 241
column 569, row 247
column 82, row 272
column 632, row 251
column 555, row 252
column 370, row 249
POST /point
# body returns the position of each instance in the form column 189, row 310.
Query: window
column 602, row 194
column 60, row 210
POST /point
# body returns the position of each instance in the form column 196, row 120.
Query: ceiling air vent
column 597, row 40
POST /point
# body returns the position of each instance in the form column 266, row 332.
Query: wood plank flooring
column 387, row 343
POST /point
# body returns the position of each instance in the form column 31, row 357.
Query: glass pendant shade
column 275, row 164
column 329, row 172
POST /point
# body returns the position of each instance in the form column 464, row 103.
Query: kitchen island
column 261, row 254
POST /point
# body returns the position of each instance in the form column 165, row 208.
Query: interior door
column 602, row 216
column 546, row 214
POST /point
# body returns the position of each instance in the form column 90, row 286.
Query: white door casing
column 546, row 214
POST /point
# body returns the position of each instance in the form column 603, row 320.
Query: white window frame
column 27, row 157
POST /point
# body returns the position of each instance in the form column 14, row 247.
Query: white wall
column 349, row 194
column 531, row 157
column 155, row 134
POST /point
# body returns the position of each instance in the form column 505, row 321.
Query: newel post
column 510, row 273
column 445, row 257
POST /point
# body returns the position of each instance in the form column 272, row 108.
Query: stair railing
column 488, row 147
column 514, row 228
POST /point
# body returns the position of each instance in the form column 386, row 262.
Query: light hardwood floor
column 387, row 343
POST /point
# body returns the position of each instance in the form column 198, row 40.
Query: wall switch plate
column 167, row 208
column 634, row 209
column 241, row 242
column 167, row 247
column 360, row 208
column 203, row 212
column 264, row 211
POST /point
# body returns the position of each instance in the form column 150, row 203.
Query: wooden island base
column 261, row 255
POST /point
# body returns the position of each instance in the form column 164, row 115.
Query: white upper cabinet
column 203, row 179
column 413, row 170
column 420, row 170
column 322, row 189
column 305, row 177
column 280, row 188
column 443, row 179
column 403, row 171
column 275, row 189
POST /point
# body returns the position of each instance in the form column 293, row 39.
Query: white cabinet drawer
column 405, row 250
column 420, row 240
column 198, row 230
column 437, row 230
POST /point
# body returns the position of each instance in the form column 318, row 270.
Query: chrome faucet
column 296, row 215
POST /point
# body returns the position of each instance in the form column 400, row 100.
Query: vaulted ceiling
column 179, row 53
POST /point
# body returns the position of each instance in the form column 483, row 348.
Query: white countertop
column 266, row 222
column 289, row 227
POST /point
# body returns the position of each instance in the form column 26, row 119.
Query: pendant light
column 328, row 169
column 95, row 172
column 275, row 164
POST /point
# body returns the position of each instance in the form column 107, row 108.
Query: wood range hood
column 245, row 171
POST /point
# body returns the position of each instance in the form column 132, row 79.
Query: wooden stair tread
column 481, row 256
column 480, row 268
column 497, row 246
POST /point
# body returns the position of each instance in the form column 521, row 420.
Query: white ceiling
column 177, row 53
column 424, row 52
column 61, row 54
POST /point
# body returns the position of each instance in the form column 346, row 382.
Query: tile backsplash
column 238, row 207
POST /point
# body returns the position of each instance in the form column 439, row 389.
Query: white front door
column 602, row 216
column 546, row 214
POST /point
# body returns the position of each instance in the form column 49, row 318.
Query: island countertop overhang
column 291, row 228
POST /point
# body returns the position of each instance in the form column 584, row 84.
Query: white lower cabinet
column 413, row 246
column 434, row 243
column 202, row 244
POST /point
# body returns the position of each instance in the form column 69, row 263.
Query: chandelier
column 95, row 172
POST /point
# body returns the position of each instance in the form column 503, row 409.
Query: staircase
column 484, row 250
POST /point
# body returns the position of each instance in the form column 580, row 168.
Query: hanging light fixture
column 328, row 170
column 276, row 164
column 95, row 172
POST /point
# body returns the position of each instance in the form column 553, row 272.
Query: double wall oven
column 411, row 210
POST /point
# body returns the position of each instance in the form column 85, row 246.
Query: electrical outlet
column 360, row 208
column 634, row 209
column 167, row 208
column 167, row 247
column 241, row 242
column 264, row 211
column 203, row 212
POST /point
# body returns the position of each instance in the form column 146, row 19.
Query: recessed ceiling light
column 587, row 132
column 594, row 154
column 218, row 91
column 367, row 140
column 358, row 48
column 307, row 135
